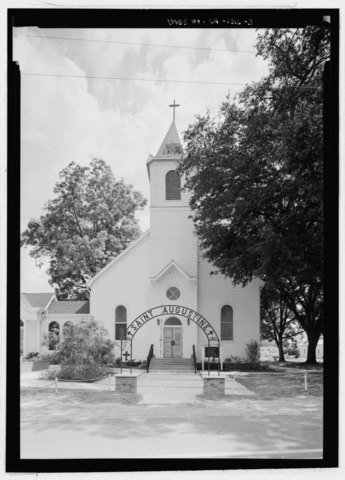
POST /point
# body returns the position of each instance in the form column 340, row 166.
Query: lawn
column 283, row 384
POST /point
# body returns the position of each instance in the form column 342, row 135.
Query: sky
column 66, row 118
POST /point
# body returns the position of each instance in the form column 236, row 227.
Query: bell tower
column 171, row 231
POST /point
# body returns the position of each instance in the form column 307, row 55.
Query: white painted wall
column 158, row 296
column 171, row 231
column 216, row 291
column 125, row 283
column 172, row 238
column 31, row 332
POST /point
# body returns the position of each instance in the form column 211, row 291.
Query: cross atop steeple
column 174, row 105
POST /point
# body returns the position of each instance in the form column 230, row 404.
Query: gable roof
column 69, row 306
column 37, row 300
column 116, row 259
column 174, row 266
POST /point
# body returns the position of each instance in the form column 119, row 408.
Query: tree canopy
column 256, row 175
column 90, row 221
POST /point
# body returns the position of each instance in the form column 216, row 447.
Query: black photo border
column 158, row 18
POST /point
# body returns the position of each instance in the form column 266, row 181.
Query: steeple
column 170, row 150
column 171, row 144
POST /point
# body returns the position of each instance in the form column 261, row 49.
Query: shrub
column 213, row 365
column 233, row 359
column 32, row 356
column 50, row 374
column 82, row 372
column 54, row 358
column 253, row 352
column 245, row 367
column 86, row 343
column 85, row 352
column 293, row 351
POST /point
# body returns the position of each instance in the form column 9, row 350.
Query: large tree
column 256, row 176
column 90, row 221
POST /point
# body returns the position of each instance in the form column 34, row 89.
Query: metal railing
column 149, row 358
column 194, row 358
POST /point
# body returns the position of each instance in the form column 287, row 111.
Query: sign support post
column 121, row 357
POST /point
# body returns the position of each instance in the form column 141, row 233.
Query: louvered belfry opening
column 172, row 186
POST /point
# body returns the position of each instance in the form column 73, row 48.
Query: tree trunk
column 280, row 346
column 281, row 351
column 312, row 343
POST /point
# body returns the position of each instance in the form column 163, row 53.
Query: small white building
column 160, row 288
column 41, row 313
column 159, row 291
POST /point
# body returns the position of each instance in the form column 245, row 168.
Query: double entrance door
column 172, row 342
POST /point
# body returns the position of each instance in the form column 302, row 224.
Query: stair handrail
column 194, row 358
column 149, row 358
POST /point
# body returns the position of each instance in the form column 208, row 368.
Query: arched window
column 226, row 323
column 172, row 186
column 54, row 335
column 120, row 322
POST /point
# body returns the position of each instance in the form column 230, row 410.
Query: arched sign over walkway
column 163, row 310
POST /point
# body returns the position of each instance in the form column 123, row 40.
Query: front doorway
column 172, row 338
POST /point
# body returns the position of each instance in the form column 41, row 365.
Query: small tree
column 253, row 351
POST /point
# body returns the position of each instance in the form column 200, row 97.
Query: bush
column 77, row 372
column 293, row 351
column 245, row 367
column 32, row 356
column 82, row 372
column 213, row 365
column 53, row 358
column 50, row 374
column 253, row 352
column 86, row 343
column 233, row 359
column 85, row 352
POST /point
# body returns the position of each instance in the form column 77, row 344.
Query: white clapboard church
column 159, row 291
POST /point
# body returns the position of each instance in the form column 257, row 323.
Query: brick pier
column 213, row 386
column 126, row 383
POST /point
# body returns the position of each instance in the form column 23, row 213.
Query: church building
column 160, row 290
column 161, row 285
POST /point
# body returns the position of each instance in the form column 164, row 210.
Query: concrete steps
column 175, row 365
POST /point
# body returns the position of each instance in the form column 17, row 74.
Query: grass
column 283, row 385
column 75, row 397
column 302, row 365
